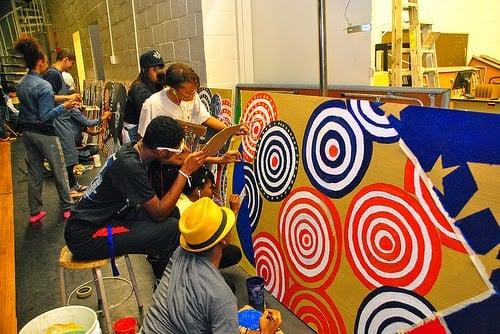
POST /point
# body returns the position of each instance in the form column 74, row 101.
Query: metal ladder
column 422, row 50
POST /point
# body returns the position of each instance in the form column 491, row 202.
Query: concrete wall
column 285, row 42
column 219, row 37
column 174, row 27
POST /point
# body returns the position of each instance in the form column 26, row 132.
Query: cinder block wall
column 174, row 27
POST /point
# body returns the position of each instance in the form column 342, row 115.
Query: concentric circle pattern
column 390, row 240
column 216, row 104
column 373, row 120
column 260, row 110
column 335, row 152
column 389, row 310
column 415, row 184
column 316, row 309
column 252, row 198
column 276, row 161
column 206, row 98
column 270, row 265
column 226, row 112
column 310, row 232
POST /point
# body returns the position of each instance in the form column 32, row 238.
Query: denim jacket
column 37, row 111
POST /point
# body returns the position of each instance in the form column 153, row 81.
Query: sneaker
column 36, row 218
column 66, row 214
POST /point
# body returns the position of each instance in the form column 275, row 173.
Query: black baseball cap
column 150, row 59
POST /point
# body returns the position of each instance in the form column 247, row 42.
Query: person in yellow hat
column 192, row 296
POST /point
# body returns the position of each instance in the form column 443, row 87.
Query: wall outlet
column 113, row 60
column 359, row 28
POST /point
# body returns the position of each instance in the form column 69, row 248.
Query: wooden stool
column 66, row 261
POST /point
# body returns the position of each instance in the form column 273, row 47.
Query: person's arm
column 63, row 98
column 46, row 110
column 10, row 105
column 144, row 118
column 214, row 123
column 161, row 209
column 84, row 121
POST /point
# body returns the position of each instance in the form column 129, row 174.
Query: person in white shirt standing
column 178, row 100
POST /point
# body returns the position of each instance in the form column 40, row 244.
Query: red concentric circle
column 390, row 240
column 310, row 232
column 270, row 265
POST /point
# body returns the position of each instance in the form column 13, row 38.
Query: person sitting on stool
column 120, row 213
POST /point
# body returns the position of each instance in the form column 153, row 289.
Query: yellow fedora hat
column 204, row 224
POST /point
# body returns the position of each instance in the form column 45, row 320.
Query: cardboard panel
column 363, row 216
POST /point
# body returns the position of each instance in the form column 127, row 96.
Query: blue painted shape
column 495, row 279
column 459, row 187
column 481, row 317
column 243, row 221
column 480, row 230
column 458, row 137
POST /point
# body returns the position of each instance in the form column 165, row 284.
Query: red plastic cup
column 127, row 325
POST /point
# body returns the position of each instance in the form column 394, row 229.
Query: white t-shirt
column 159, row 104
column 68, row 80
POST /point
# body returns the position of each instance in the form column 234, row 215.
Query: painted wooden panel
column 366, row 217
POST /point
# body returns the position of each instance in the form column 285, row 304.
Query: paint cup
column 97, row 160
column 127, row 325
column 255, row 290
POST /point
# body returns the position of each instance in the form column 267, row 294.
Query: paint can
column 255, row 290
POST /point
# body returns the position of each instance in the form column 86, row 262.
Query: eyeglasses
column 173, row 150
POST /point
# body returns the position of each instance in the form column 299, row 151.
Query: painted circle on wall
column 206, row 98
column 391, row 310
column 372, row 119
column 335, row 151
column 269, row 263
column 390, row 240
column 311, row 234
column 316, row 309
column 260, row 110
column 276, row 161
column 252, row 199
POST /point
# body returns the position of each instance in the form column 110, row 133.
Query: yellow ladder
column 422, row 47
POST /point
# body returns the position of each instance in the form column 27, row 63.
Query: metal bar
column 16, row 18
column 388, row 96
column 323, row 77
column 135, row 36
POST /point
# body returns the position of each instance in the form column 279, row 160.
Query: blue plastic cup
column 255, row 290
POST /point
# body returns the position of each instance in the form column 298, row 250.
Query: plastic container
column 81, row 315
column 127, row 325
column 255, row 290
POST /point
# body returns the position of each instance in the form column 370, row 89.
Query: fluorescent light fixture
column 359, row 28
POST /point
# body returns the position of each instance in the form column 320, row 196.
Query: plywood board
column 363, row 216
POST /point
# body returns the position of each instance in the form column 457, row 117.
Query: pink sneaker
column 66, row 214
column 36, row 218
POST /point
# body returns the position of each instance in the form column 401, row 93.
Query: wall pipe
column 112, row 59
column 323, row 77
column 135, row 36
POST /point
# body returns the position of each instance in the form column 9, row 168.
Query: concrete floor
column 37, row 253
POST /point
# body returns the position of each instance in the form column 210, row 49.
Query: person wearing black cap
column 141, row 88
